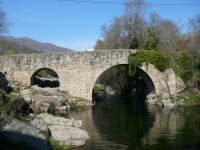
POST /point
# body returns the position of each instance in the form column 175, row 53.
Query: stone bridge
column 78, row 71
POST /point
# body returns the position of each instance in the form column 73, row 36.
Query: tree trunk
column 166, row 73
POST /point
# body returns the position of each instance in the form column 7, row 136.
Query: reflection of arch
column 146, row 77
column 36, row 72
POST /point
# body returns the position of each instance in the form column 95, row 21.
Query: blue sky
column 76, row 25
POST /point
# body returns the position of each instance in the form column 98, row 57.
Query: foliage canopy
column 183, row 60
column 151, row 41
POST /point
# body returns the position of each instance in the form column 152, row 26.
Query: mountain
column 46, row 47
column 12, row 48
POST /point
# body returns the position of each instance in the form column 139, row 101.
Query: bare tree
column 154, row 23
column 194, row 22
column 5, row 24
column 194, row 43
column 135, row 24
column 99, row 45
column 126, row 27
column 115, row 36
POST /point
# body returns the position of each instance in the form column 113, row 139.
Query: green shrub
column 183, row 61
column 53, row 106
column 14, row 106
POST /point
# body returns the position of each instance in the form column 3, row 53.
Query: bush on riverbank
column 14, row 106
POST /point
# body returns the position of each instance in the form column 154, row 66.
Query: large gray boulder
column 67, row 131
column 19, row 135
column 40, row 124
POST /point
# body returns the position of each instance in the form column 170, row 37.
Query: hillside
column 11, row 48
column 47, row 47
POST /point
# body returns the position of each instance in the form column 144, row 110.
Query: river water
column 123, row 123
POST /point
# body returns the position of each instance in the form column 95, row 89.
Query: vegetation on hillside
column 12, row 48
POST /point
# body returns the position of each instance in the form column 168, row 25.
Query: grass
column 55, row 145
column 34, row 103
column 49, row 124
column 193, row 100
column 34, row 93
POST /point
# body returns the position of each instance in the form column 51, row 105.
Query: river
column 123, row 123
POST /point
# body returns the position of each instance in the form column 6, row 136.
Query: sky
column 77, row 25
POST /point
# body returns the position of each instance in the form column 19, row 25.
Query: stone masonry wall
column 77, row 71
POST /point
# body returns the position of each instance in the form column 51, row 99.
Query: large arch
column 32, row 79
column 146, row 77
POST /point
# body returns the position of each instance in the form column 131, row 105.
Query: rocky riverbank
column 23, row 125
column 41, row 133
column 184, row 98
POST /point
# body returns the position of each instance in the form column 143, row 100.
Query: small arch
column 37, row 80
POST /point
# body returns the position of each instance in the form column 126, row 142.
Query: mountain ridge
column 33, row 44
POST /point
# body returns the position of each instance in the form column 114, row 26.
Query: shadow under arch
column 33, row 81
column 149, row 85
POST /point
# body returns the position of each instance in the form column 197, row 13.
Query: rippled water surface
column 123, row 123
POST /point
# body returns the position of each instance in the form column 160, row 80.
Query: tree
column 169, row 42
column 194, row 26
column 5, row 24
column 134, row 44
column 99, row 45
column 135, row 24
column 194, row 43
column 124, row 29
column 151, row 40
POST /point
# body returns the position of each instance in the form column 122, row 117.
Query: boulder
column 78, row 123
column 27, row 98
column 67, row 131
column 165, row 95
column 110, row 90
column 167, row 103
column 45, row 107
column 40, row 124
column 151, row 99
column 23, row 136
column 62, row 108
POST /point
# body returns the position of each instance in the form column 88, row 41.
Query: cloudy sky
column 77, row 25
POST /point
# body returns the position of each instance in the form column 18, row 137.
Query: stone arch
column 146, row 77
column 36, row 71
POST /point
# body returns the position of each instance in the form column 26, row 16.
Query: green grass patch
column 49, row 124
column 190, row 101
column 55, row 145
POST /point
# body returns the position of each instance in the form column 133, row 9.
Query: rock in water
column 68, row 132
column 167, row 103
column 21, row 136
column 40, row 124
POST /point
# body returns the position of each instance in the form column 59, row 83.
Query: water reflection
column 123, row 123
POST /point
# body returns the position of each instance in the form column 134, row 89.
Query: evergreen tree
column 151, row 41
column 133, row 44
